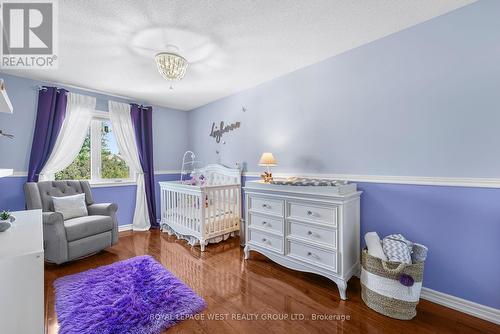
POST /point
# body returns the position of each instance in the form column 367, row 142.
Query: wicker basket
column 382, row 286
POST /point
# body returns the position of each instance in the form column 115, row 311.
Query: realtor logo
column 29, row 34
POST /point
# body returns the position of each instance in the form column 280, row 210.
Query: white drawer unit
column 315, row 235
column 321, row 257
column 266, row 205
column 265, row 240
column 312, row 229
column 266, row 223
column 326, row 214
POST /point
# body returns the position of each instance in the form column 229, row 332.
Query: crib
column 207, row 213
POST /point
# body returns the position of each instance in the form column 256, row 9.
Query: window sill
column 112, row 184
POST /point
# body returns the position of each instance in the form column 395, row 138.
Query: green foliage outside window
column 80, row 167
column 112, row 165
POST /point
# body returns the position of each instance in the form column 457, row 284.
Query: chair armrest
column 52, row 218
column 104, row 209
column 54, row 237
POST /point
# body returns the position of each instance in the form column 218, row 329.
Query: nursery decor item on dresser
column 307, row 228
column 206, row 208
column 267, row 160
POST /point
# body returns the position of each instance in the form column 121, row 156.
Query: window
column 99, row 159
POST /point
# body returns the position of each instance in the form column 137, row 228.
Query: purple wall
column 460, row 226
column 12, row 196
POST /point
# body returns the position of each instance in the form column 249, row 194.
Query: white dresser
column 21, row 275
column 306, row 228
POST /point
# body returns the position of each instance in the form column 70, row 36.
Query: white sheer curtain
column 73, row 131
column 123, row 129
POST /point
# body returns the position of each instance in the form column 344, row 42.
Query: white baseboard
column 477, row 310
column 127, row 227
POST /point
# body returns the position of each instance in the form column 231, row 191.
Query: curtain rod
column 42, row 87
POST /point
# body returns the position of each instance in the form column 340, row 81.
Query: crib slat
column 184, row 210
column 223, row 210
column 227, row 209
column 214, row 210
column 191, row 211
column 209, row 211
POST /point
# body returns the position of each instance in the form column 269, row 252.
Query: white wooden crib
column 208, row 213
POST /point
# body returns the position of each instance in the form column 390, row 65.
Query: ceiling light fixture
column 171, row 65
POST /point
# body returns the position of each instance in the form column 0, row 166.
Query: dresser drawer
column 266, row 223
column 313, row 234
column 266, row 240
column 266, row 205
column 310, row 212
column 312, row 255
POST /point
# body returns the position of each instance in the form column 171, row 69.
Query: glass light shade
column 171, row 66
column 267, row 159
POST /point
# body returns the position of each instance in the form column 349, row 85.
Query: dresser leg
column 246, row 251
column 342, row 290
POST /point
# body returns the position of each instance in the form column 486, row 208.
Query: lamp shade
column 267, row 159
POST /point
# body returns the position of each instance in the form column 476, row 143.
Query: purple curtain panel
column 50, row 116
column 142, row 119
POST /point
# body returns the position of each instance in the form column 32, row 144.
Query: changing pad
column 303, row 181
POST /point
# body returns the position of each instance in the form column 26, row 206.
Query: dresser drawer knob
column 313, row 255
column 264, row 239
column 267, row 206
column 309, row 232
column 310, row 213
column 264, row 223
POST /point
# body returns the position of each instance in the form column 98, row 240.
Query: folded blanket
column 397, row 248
column 419, row 253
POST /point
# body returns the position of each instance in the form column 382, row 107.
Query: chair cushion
column 71, row 206
column 49, row 189
column 82, row 227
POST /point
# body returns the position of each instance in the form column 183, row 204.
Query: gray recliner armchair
column 74, row 238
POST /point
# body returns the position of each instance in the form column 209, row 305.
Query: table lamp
column 267, row 159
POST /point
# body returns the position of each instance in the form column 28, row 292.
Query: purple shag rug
column 135, row 296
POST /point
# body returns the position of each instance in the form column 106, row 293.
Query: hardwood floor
column 234, row 287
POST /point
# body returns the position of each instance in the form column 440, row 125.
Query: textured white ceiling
column 231, row 44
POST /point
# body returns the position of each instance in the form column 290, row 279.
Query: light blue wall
column 169, row 126
column 169, row 136
column 421, row 102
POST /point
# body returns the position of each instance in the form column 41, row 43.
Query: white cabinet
column 5, row 172
column 21, row 275
column 5, row 104
column 312, row 229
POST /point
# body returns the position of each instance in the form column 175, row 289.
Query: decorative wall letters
column 218, row 132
